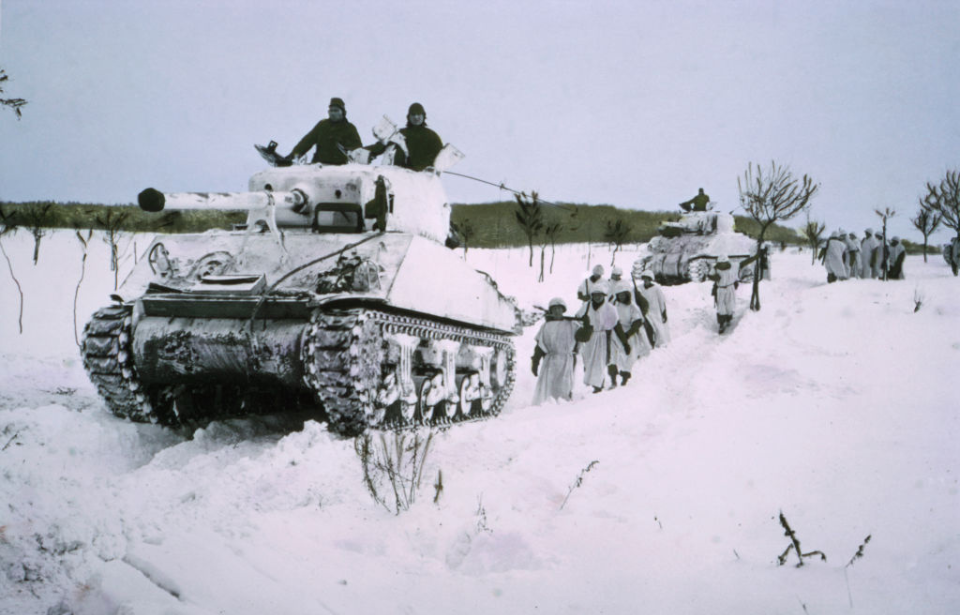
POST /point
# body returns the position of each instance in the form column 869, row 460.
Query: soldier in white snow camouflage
column 634, row 336
column 555, row 354
column 653, row 304
column 600, row 320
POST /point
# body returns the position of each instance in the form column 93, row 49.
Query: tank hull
column 227, row 323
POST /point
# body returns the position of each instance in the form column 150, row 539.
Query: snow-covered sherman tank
column 337, row 295
column 687, row 250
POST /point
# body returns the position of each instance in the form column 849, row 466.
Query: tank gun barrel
column 153, row 200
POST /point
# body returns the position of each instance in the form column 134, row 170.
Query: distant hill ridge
column 485, row 225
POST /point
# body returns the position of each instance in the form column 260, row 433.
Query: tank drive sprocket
column 373, row 369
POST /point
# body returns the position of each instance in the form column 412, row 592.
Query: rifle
column 547, row 311
column 644, row 306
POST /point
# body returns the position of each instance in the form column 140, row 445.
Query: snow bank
column 834, row 404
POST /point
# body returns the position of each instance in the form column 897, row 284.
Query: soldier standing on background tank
column 634, row 336
column 557, row 348
column 332, row 137
column 422, row 144
column 600, row 320
column 653, row 304
column 697, row 203
column 586, row 287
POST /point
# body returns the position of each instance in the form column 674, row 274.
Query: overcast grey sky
column 630, row 103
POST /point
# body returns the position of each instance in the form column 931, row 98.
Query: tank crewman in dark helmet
column 332, row 136
column 423, row 144
column 697, row 203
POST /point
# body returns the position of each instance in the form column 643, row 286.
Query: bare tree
column 945, row 201
column 14, row 103
column 769, row 197
column 466, row 231
column 112, row 222
column 927, row 223
column 38, row 218
column 84, row 243
column 617, row 234
column 813, row 232
column 885, row 215
column 551, row 230
column 530, row 218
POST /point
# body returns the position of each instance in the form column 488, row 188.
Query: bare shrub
column 393, row 467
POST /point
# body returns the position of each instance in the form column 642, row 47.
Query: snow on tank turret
column 338, row 295
column 687, row 250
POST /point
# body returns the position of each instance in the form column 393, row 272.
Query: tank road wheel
column 108, row 358
column 500, row 368
column 386, row 407
column 372, row 369
column 408, row 408
column 433, row 400
column 471, row 396
column 503, row 372
column 699, row 269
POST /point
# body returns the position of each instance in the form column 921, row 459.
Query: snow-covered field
column 835, row 405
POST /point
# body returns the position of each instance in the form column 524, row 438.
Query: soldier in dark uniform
column 332, row 137
column 697, row 203
column 422, row 144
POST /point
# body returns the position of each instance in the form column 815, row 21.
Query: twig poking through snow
column 10, row 441
column 859, row 552
column 482, row 516
column 579, row 481
column 795, row 545
column 855, row 557
column 438, row 487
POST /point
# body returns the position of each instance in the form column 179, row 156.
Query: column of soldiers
column 619, row 323
column 845, row 257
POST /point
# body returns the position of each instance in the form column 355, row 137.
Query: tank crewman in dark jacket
column 332, row 136
column 697, row 203
column 423, row 144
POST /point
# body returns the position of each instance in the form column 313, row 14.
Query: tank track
column 343, row 352
column 108, row 359
column 348, row 364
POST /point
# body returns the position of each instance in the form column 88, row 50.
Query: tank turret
column 337, row 296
